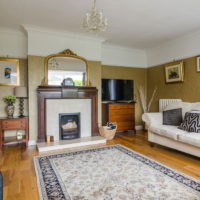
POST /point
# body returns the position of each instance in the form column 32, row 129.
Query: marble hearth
column 68, row 144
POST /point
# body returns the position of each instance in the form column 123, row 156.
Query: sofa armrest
column 152, row 118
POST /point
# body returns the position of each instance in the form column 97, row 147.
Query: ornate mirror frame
column 65, row 53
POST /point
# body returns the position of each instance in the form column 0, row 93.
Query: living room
column 158, row 55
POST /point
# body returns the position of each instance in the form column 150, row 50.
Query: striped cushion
column 191, row 122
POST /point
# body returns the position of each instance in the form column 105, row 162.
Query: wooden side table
column 13, row 124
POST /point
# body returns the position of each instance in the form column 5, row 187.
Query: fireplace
column 69, row 126
column 49, row 96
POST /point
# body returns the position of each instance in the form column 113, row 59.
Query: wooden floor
column 16, row 163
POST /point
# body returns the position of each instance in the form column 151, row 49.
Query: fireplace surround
column 45, row 93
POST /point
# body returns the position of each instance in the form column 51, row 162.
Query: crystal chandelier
column 94, row 20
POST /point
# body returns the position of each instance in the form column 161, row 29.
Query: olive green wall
column 187, row 90
column 35, row 74
column 32, row 73
column 139, row 76
column 96, row 72
column 95, row 79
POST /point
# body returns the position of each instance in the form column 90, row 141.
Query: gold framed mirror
column 66, row 65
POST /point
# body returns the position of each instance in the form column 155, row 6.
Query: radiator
column 164, row 102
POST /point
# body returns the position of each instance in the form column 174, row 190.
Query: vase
column 10, row 110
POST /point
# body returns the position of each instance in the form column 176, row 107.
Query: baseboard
column 138, row 127
column 31, row 142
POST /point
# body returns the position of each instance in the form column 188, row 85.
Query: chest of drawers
column 121, row 113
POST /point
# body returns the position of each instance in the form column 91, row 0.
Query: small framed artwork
column 174, row 72
column 198, row 63
column 9, row 71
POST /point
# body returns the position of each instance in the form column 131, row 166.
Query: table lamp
column 21, row 93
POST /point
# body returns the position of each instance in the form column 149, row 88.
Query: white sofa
column 171, row 136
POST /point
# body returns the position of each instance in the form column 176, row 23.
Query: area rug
column 110, row 173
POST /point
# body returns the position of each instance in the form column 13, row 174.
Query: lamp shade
column 20, row 91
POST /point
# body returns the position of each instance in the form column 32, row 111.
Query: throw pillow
column 186, row 107
column 191, row 122
column 172, row 117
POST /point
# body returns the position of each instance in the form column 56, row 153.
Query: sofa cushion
column 191, row 122
column 166, row 131
column 190, row 138
column 195, row 106
column 172, row 117
column 186, row 106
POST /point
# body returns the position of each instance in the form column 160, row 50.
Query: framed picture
column 9, row 71
column 198, row 63
column 174, row 72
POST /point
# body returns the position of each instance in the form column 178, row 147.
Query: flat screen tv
column 117, row 90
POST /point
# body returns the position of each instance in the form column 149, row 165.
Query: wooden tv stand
column 121, row 113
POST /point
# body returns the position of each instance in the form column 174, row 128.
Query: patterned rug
column 110, row 173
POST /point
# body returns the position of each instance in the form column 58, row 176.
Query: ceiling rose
column 94, row 21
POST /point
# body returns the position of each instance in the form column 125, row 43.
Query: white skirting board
column 138, row 127
column 31, row 143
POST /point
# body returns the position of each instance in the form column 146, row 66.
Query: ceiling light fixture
column 94, row 20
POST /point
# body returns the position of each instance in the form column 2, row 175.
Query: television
column 117, row 90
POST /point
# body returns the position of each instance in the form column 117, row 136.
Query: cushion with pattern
column 172, row 117
column 191, row 122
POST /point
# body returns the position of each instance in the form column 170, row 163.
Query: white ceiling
column 133, row 23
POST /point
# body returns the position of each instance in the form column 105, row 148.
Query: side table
column 13, row 124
